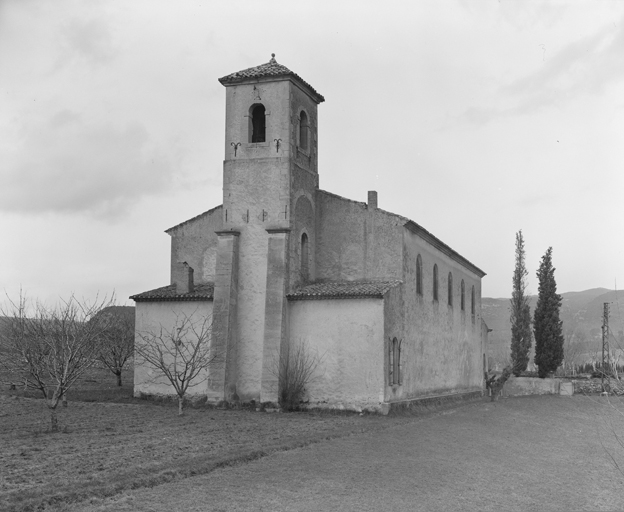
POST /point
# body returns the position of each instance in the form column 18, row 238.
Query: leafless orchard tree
column 181, row 354
column 117, row 340
column 51, row 347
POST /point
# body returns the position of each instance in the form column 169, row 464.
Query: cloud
column 70, row 166
column 86, row 41
column 583, row 67
column 586, row 65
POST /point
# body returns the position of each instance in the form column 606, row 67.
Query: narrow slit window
column 463, row 296
column 303, row 130
column 435, row 282
column 450, row 289
column 304, row 258
column 472, row 302
column 258, row 123
column 419, row 290
column 394, row 363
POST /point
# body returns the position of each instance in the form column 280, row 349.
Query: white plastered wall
column 347, row 336
column 150, row 316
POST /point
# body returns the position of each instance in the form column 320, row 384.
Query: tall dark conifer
column 520, row 313
column 547, row 327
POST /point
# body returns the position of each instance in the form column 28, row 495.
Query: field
column 532, row 453
column 124, row 443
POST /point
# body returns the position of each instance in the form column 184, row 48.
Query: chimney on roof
column 183, row 278
column 372, row 199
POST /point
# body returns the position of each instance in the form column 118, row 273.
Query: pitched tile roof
column 344, row 290
column 203, row 291
column 269, row 70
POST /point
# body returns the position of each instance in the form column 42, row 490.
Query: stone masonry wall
column 442, row 345
column 355, row 242
column 195, row 242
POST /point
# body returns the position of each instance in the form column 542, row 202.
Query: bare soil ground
column 107, row 447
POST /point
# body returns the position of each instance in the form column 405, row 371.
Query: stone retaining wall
column 519, row 386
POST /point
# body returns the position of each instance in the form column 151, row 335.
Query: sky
column 474, row 118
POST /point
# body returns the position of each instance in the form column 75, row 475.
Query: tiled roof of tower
column 268, row 71
column 344, row 290
column 203, row 291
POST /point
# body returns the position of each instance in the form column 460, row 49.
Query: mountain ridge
column 582, row 316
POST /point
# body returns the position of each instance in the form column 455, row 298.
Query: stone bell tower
column 266, row 247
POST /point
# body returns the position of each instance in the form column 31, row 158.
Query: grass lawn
column 121, row 453
column 537, row 453
column 123, row 443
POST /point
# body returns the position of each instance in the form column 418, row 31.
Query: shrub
column 296, row 369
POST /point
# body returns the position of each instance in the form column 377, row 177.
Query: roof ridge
column 202, row 291
column 269, row 70
column 193, row 218
column 361, row 289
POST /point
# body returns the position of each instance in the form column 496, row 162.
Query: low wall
column 419, row 405
column 518, row 386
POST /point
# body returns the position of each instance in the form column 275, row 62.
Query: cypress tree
column 547, row 327
column 520, row 313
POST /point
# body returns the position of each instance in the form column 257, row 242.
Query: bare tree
column 573, row 348
column 495, row 382
column 615, row 361
column 117, row 341
column 180, row 354
column 51, row 347
column 295, row 369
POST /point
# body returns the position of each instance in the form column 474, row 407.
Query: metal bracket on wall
column 285, row 212
column 235, row 146
column 264, row 214
column 277, row 144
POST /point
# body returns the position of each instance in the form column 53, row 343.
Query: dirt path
column 534, row 453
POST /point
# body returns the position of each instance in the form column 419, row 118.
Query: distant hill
column 581, row 313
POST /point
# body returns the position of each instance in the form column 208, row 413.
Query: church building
column 390, row 313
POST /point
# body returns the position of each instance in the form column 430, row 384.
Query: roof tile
column 204, row 291
column 268, row 70
column 344, row 290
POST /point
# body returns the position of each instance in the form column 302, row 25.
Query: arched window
column 463, row 294
column 419, row 276
column 303, row 130
column 257, row 123
column 435, row 282
column 304, row 258
column 472, row 303
column 450, row 289
column 394, row 363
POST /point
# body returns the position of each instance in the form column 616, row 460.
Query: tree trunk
column 180, row 405
column 496, row 384
column 53, row 421
column 64, row 399
column 118, row 373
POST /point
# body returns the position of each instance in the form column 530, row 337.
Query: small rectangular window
column 394, row 363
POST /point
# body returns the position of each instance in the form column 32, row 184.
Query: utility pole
column 605, row 346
